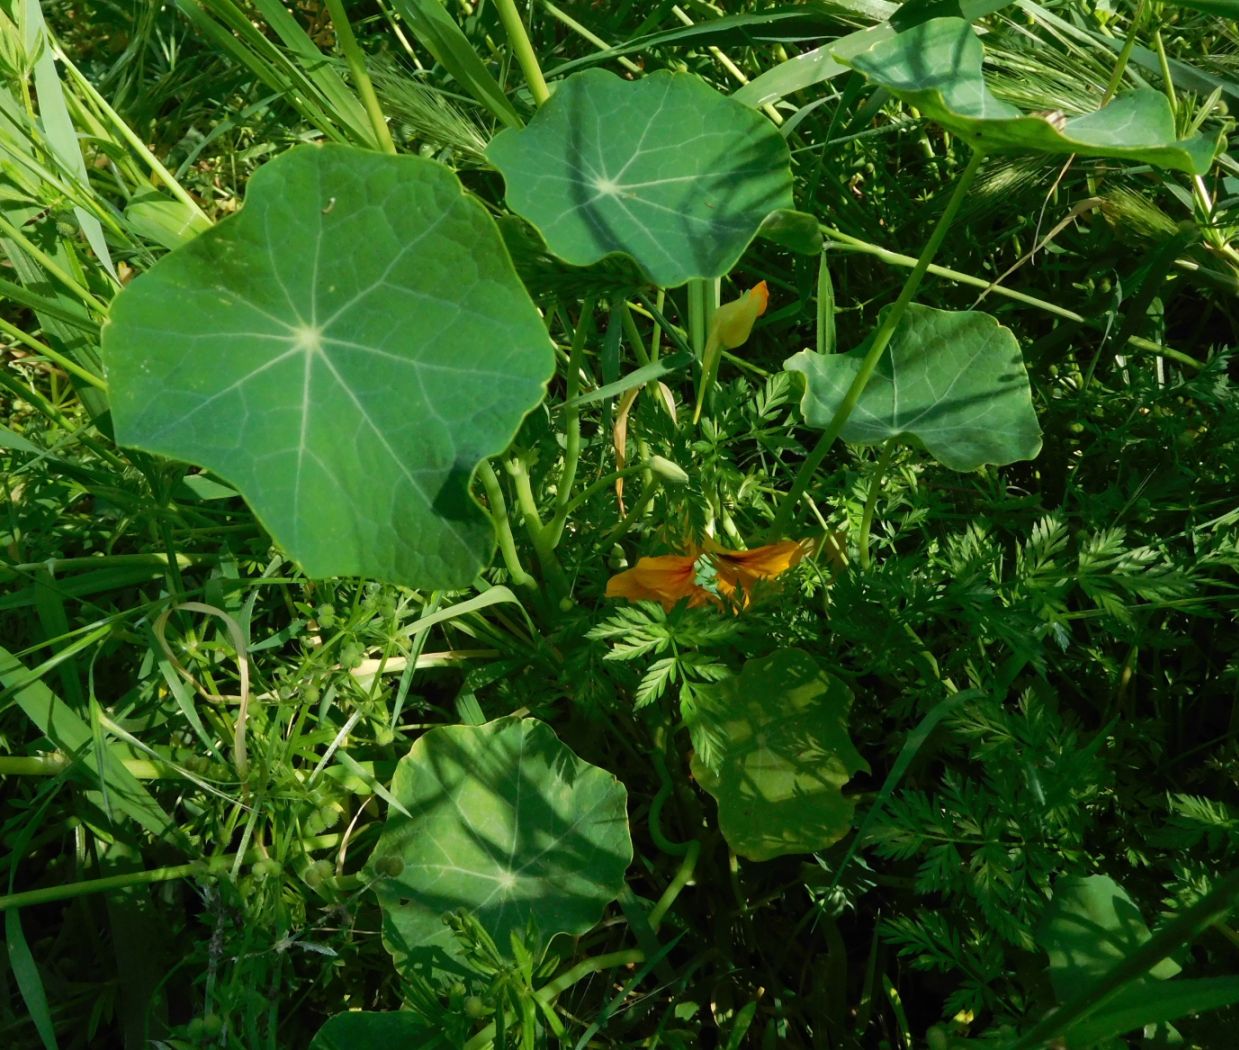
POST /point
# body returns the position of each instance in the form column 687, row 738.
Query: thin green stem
column 52, row 764
column 43, row 350
column 634, row 334
column 585, row 34
column 552, row 989
column 634, row 512
column 604, row 482
column 683, row 876
column 195, row 869
column 136, row 144
column 840, row 241
column 52, row 267
column 875, row 486
column 503, row 526
column 1120, row 64
column 361, row 78
column 1167, row 80
column 572, row 425
column 525, row 56
column 539, row 534
column 877, row 348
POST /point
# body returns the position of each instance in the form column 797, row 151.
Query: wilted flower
column 706, row 576
column 729, row 330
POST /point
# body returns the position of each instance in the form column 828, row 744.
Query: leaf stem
column 84, row 294
column 841, row 241
column 361, row 79
column 875, row 486
column 634, row 512
column 43, row 350
column 503, row 526
column 519, row 40
column 572, row 426
column 877, row 347
column 539, row 534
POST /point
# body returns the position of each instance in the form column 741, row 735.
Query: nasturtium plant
column 663, row 169
column 504, row 821
column 345, row 351
column 952, row 381
column 365, row 1028
column 1091, row 925
column 936, row 67
column 783, row 754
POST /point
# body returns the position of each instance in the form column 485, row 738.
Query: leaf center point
column 308, row 337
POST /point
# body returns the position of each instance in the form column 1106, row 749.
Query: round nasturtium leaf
column 345, row 351
column 936, row 67
column 954, row 381
column 505, row 822
column 363, row 1028
column 783, row 757
column 663, row 169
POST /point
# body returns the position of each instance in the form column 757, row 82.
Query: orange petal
column 668, row 579
column 744, row 568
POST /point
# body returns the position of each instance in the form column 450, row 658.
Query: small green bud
column 318, row 873
column 669, row 472
column 265, row 868
column 475, row 1007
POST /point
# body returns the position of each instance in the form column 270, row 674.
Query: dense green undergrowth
column 336, row 680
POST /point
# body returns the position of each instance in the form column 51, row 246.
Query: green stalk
column 875, row 486
column 67, row 891
column 51, row 765
column 357, row 65
column 637, row 509
column 585, row 34
column 877, row 348
column 1120, row 65
column 195, row 869
column 604, row 482
column 572, row 426
column 683, row 876
column 54, row 356
column 127, row 133
column 698, row 321
column 519, row 40
column 539, row 534
column 840, row 241
column 52, row 267
column 552, row 989
column 503, row 526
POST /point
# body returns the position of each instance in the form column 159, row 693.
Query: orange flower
column 713, row 575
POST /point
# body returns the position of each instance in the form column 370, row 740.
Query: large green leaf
column 1090, row 925
column 344, row 351
column 502, row 821
column 936, row 66
column 361, row 1029
column 783, row 754
column 663, row 169
column 952, row 381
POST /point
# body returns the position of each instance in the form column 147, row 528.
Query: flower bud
column 669, row 472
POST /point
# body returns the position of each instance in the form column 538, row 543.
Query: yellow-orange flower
column 710, row 576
